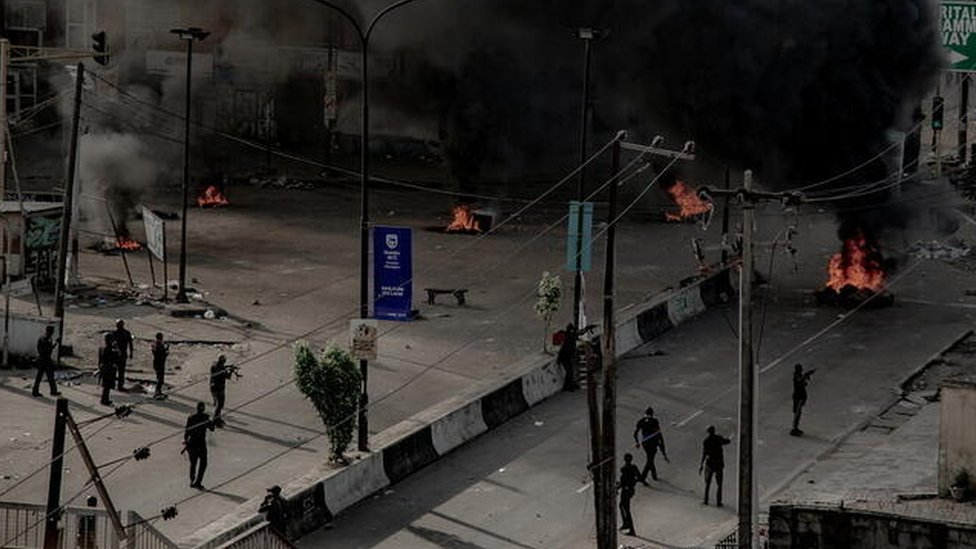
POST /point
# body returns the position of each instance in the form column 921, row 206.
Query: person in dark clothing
column 88, row 526
column 713, row 463
column 195, row 444
column 647, row 435
column 123, row 341
column 800, row 381
column 107, row 366
column 568, row 357
column 160, row 350
column 220, row 372
column 45, row 362
column 275, row 510
column 630, row 475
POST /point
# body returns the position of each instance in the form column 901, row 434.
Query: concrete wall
column 24, row 332
column 814, row 527
column 957, row 436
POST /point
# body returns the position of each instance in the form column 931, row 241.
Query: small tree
column 333, row 383
column 549, row 292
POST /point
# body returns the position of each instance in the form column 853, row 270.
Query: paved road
column 524, row 485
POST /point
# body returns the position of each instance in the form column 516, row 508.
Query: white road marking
column 688, row 419
column 584, row 488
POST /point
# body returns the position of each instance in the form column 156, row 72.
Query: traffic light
column 938, row 106
column 100, row 46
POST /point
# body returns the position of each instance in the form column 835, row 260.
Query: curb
column 405, row 448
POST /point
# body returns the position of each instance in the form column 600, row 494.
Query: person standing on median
column 568, row 356
column 800, row 381
column 123, row 341
column 713, row 463
column 195, row 444
column 160, row 350
column 630, row 475
column 45, row 362
column 647, row 435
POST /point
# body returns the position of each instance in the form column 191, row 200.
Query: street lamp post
column 587, row 35
column 364, row 36
column 189, row 35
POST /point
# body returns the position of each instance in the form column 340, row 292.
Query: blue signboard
column 392, row 273
column 574, row 240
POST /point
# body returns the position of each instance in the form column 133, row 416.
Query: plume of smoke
column 115, row 170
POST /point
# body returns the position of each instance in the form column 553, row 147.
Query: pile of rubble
column 281, row 182
column 939, row 250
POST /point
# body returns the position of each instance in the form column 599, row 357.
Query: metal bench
column 432, row 294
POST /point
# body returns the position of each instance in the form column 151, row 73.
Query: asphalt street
column 525, row 484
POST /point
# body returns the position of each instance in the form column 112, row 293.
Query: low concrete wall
column 825, row 527
column 423, row 438
column 25, row 330
column 957, row 436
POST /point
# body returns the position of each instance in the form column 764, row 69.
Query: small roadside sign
column 957, row 23
column 155, row 233
column 18, row 288
column 575, row 240
column 363, row 332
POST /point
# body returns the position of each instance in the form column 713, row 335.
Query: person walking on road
column 713, row 463
column 107, row 361
column 800, row 381
column 123, row 341
column 630, row 475
column 45, row 362
column 195, row 444
column 647, row 435
column 568, row 356
column 220, row 372
column 160, row 350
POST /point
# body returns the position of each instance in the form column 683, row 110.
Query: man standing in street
column 160, row 350
column 713, row 463
column 220, row 372
column 647, row 435
column 45, row 363
column 123, row 341
column 195, row 444
column 800, row 381
column 107, row 360
column 630, row 475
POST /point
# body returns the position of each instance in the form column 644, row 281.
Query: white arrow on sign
column 955, row 57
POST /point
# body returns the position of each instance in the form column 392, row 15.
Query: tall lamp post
column 587, row 35
column 364, row 37
column 189, row 35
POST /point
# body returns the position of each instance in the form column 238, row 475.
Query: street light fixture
column 189, row 35
column 364, row 36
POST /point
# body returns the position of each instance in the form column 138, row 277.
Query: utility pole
column 725, row 217
column 53, row 514
column 748, row 377
column 587, row 35
column 68, row 205
column 189, row 35
column 4, row 75
column 964, row 118
column 608, row 537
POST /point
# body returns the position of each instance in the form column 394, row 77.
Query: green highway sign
column 958, row 24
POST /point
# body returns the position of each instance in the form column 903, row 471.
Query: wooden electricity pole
column 67, row 206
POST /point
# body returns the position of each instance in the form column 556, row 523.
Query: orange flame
column 858, row 265
column 211, row 197
column 127, row 244
column 687, row 199
column 464, row 220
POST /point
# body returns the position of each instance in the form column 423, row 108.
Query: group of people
column 648, row 436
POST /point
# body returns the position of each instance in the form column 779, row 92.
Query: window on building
column 79, row 18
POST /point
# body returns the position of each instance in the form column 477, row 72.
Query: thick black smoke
column 796, row 90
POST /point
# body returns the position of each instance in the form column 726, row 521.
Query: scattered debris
column 281, row 182
column 934, row 249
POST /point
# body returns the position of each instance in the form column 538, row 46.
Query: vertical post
column 963, row 118
column 6, row 295
column 53, row 515
column 181, row 293
column 67, row 206
column 609, row 458
column 165, row 266
column 896, row 191
column 725, row 216
column 363, row 421
column 152, row 269
column 746, row 374
column 596, row 468
column 4, row 67
column 587, row 36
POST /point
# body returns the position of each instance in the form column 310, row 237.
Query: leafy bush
column 332, row 382
column 549, row 293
